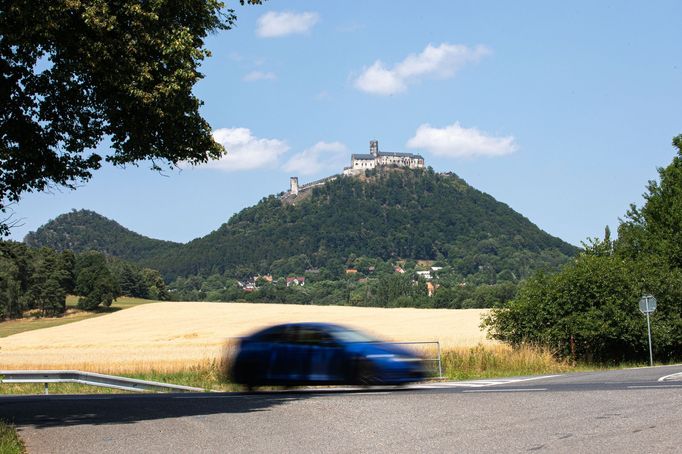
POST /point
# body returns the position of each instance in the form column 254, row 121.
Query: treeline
column 380, row 287
column 37, row 280
column 589, row 311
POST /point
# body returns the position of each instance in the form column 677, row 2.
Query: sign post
column 647, row 304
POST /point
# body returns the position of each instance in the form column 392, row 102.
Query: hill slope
column 389, row 214
column 85, row 230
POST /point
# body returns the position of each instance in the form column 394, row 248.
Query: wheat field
column 175, row 336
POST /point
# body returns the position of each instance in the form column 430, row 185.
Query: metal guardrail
column 89, row 378
column 436, row 359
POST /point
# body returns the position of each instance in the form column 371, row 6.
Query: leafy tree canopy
column 94, row 283
column 656, row 228
column 589, row 309
column 73, row 72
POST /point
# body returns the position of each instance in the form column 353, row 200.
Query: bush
column 589, row 311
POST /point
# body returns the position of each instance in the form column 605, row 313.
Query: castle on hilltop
column 361, row 162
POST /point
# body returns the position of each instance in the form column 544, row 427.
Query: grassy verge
column 211, row 377
column 464, row 363
column 467, row 363
column 490, row 361
column 10, row 327
column 9, row 440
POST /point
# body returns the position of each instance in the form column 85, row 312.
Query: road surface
column 635, row 410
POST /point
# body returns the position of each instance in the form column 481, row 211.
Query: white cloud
column 321, row 156
column 380, row 81
column 244, row 151
column 440, row 62
column 455, row 141
column 274, row 24
column 259, row 75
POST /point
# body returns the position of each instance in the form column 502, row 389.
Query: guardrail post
column 440, row 367
column 46, row 391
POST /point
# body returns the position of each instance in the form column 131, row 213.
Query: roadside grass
column 459, row 363
column 10, row 327
column 209, row 378
column 9, row 440
column 494, row 361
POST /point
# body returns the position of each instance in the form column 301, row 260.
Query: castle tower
column 293, row 182
column 374, row 148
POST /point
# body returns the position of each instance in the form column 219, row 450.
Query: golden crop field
column 177, row 335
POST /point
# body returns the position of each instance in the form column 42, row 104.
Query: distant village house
column 431, row 288
column 295, row 281
column 424, row 274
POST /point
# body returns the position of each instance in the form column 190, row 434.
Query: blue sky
column 562, row 110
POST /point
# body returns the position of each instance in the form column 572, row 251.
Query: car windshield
column 348, row 335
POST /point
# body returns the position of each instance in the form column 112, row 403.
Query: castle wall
column 364, row 164
column 360, row 163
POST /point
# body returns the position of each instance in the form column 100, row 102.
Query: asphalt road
column 616, row 411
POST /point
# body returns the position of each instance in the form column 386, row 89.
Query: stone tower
column 294, row 185
column 374, row 148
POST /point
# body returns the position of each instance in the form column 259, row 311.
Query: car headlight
column 392, row 357
column 406, row 359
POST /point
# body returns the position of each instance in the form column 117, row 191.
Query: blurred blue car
column 321, row 354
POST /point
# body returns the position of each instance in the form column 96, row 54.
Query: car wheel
column 365, row 374
column 246, row 373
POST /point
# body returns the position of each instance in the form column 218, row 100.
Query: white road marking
column 654, row 386
column 504, row 390
column 650, row 367
column 211, row 396
column 476, row 383
column 677, row 376
column 369, row 393
column 382, row 389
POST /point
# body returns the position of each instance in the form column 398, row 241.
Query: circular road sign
column 647, row 304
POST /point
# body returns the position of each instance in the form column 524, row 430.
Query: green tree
column 94, row 282
column 656, row 228
column 16, row 270
column 396, row 290
column 10, row 289
column 131, row 282
column 76, row 71
column 589, row 309
column 155, row 285
column 45, row 291
column 67, row 263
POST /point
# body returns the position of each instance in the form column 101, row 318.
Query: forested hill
column 399, row 214
column 85, row 230
column 387, row 215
